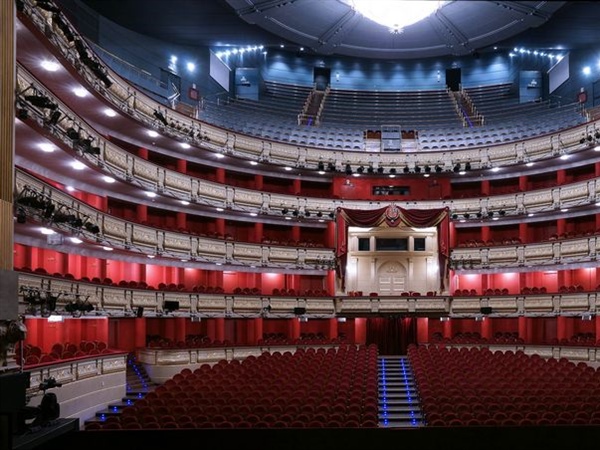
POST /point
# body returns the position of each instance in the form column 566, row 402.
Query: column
column 523, row 183
column 258, row 182
column 485, row 187
column 220, row 329
column 180, row 328
column 523, row 232
column 447, row 329
column 561, row 328
column 485, row 233
column 140, row 332
column 561, row 176
column 330, row 236
column 258, row 232
column 293, row 328
column 333, row 328
column 422, row 329
column 522, row 324
column 297, row 186
column 8, row 278
column 143, row 153
column 168, row 329
column 360, row 330
column 258, row 330
column 330, row 282
column 220, row 175
column 485, row 329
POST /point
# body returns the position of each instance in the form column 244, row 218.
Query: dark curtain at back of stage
column 392, row 335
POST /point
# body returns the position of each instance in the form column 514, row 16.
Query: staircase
column 398, row 398
column 137, row 385
column 465, row 109
column 311, row 112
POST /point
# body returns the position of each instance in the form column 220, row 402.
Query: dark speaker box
column 171, row 305
column 299, row 311
column 140, row 311
column 486, row 310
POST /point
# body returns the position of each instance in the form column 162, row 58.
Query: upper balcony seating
column 33, row 355
column 413, row 110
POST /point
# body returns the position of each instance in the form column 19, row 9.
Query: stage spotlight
column 306, row 213
column 406, row 169
column 370, row 169
column 73, row 134
column 393, row 170
column 54, row 118
column 41, row 102
column 417, row 169
column 380, row 169
column 348, row 169
column 92, row 228
column 284, row 211
column 360, row 169
column 427, row 169
column 159, row 116
column 331, row 167
column 456, row 168
column 319, row 214
column 438, row 168
column 21, row 216
column 502, row 212
column 22, row 114
column 62, row 26
column 468, row 166
column 454, row 216
column 321, row 166
column 295, row 213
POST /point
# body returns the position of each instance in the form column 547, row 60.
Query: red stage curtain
column 392, row 335
column 392, row 216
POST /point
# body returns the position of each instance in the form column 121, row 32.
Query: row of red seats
column 473, row 386
column 309, row 388
column 472, row 243
column 32, row 355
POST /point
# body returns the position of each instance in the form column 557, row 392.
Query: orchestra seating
column 307, row 389
column 475, row 386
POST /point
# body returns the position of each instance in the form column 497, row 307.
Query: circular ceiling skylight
column 396, row 14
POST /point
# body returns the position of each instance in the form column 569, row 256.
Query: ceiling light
column 597, row 148
column 45, row 147
column 587, row 70
column 564, row 210
column 495, row 169
column 152, row 133
column 253, row 214
column 185, row 145
column 70, row 188
column 288, row 218
column 253, row 163
column 321, row 172
column 151, row 256
column 80, row 92
column 220, row 155
column 78, row 165
column 564, row 157
column 529, row 164
column 191, row 66
column 47, row 231
column 75, row 240
column 220, row 209
column 391, row 175
column 396, row 14
column 150, row 194
column 288, row 168
column 108, row 179
column 109, row 112
column 530, row 215
column 462, row 172
column 108, row 249
column 50, row 66
column 185, row 202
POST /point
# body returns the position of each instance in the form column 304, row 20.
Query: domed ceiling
column 331, row 27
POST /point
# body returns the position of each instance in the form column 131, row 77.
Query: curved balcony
column 118, row 163
column 132, row 237
column 184, row 128
column 117, row 301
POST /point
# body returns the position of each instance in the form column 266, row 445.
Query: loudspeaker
column 299, row 311
column 140, row 311
column 486, row 310
column 171, row 305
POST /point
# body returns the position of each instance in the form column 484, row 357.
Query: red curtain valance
column 392, row 216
